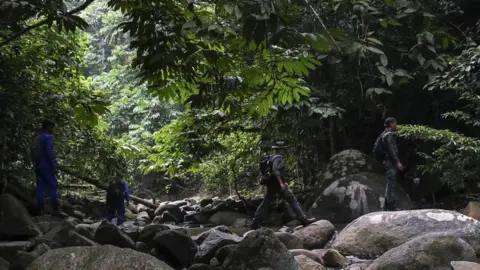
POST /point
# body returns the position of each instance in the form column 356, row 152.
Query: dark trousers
column 391, row 176
column 116, row 208
column 46, row 181
column 269, row 198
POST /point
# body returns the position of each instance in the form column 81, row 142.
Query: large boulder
column 226, row 218
column 105, row 257
column 430, row 251
column 289, row 240
column 473, row 210
column 348, row 162
column 9, row 250
column 316, row 235
column 308, row 264
column 463, row 265
column 354, row 195
column 215, row 240
column 109, row 233
column 374, row 234
column 260, row 249
column 177, row 246
column 15, row 221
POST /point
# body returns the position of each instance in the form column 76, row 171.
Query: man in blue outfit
column 117, row 193
column 45, row 166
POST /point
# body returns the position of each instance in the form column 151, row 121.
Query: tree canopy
column 196, row 90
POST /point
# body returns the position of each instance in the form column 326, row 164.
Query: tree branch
column 47, row 20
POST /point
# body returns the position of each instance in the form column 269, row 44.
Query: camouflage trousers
column 391, row 175
column 270, row 197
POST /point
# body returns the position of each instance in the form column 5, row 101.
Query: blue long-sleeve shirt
column 45, row 147
column 125, row 190
column 118, row 191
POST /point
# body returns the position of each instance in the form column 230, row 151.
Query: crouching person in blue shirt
column 117, row 193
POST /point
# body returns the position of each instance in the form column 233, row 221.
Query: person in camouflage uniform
column 277, row 185
column 391, row 162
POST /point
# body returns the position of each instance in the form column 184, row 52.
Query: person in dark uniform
column 117, row 199
column 391, row 161
column 277, row 185
column 45, row 166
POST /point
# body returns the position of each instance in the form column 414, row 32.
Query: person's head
column 391, row 124
column 47, row 126
column 280, row 147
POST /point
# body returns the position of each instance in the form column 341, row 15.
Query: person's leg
column 121, row 213
column 391, row 175
column 290, row 198
column 40, row 191
column 52, row 181
column 262, row 210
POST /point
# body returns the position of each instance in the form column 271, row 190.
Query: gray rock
column 76, row 239
column 223, row 252
column 15, row 221
column 316, row 235
column 8, row 250
column 202, row 236
column 463, row 265
column 354, row 195
column 4, row 265
column 214, row 240
column 289, row 240
column 200, row 266
column 147, row 234
column 430, row 251
column 260, row 248
column 105, row 257
column 23, row 258
column 60, row 233
column 308, row 264
column 373, row 234
column 348, row 162
column 226, row 218
column 109, row 233
column 177, row 246
column 333, row 258
column 310, row 254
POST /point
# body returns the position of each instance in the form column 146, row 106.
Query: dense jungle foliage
column 195, row 90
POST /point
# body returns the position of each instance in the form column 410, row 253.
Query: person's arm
column 278, row 168
column 125, row 189
column 49, row 152
column 391, row 145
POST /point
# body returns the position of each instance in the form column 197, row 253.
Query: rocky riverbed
column 411, row 239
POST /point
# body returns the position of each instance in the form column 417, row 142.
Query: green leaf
column 394, row 23
column 384, row 59
column 389, row 77
column 410, row 10
column 374, row 50
column 375, row 41
column 445, row 43
column 229, row 8
column 383, row 23
column 238, row 13
column 376, row 91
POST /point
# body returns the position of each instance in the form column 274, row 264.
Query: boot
column 57, row 211
column 307, row 221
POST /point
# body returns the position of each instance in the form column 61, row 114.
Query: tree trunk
column 102, row 185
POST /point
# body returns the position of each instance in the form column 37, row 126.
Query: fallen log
column 102, row 185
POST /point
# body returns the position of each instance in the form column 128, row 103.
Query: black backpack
column 379, row 151
column 115, row 190
column 266, row 168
